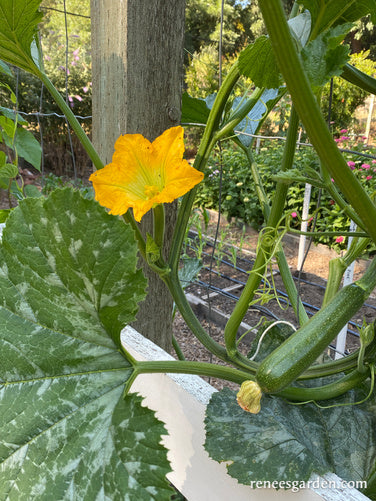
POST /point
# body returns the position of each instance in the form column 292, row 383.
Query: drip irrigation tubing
column 241, row 270
column 284, row 295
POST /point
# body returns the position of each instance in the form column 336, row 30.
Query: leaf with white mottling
column 68, row 284
column 285, row 442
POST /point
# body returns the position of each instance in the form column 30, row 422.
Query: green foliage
column 52, row 182
column 201, row 75
column 257, row 62
column 194, row 110
column 18, row 142
column 242, row 22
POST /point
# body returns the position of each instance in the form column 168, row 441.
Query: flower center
column 151, row 191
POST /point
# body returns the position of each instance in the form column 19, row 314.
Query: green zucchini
column 279, row 369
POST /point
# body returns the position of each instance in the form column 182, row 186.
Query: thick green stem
column 174, row 286
column 159, row 224
column 264, row 250
column 74, row 123
column 325, row 392
column 207, row 144
column 290, row 287
column 177, row 348
column 128, row 218
column 310, row 114
column 239, row 114
column 243, row 303
column 356, row 250
column 329, row 368
column 337, row 268
column 197, row 368
column 279, row 198
column 257, row 181
column 358, row 78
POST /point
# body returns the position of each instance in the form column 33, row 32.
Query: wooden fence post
column 137, row 59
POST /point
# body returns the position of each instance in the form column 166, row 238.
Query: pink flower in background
column 368, row 178
column 337, row 140
column 351, row 164
column 294, row 214
column 75, row 54
column 366, row 166
column 339, row 240
column 85, row 89
column 344, row 138
column 79, row 98
column 374, row 161
column 343, row 131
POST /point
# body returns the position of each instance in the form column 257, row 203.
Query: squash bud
column 249, row 397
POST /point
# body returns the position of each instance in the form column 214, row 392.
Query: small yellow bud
column 249, row 397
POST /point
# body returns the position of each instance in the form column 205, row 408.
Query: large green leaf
column 257, row 61
column 290, row 442
column 68, row 284
column 11, row 114
column 329, row 13
column 325, row 56
column 18, row 29
column 194, row 110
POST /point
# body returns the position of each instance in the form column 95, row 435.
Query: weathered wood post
column 137, row 59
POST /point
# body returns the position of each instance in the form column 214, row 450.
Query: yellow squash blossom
column 249, row 396
column 143, row 174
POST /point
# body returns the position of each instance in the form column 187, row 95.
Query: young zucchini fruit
column 279, row 369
